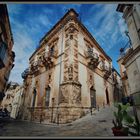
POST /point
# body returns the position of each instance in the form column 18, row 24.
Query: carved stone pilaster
column 70, row 101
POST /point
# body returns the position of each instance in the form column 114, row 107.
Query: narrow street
column 99, row 124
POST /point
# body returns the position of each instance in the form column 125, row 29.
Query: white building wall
column 85, row 94
column 133, row 77
column 81, row 44
column 110, row 91
column 42, row 83
column 100, row 89
column 133, row 31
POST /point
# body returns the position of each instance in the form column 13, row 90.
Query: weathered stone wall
column 133, row 71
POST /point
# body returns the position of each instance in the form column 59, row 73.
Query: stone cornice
column 128, row 56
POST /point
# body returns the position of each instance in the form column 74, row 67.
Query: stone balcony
column 92, row 58
column 106, row 70
column 34, row 67
column 49, row 57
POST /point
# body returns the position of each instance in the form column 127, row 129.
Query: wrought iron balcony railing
column 92, row 58
column 34, row 67
column 106, row 69
column 49, row 57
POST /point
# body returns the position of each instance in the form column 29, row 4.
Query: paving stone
column 88, row 126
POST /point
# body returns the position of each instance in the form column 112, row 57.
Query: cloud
column 14, row 9
column 106, row 25
column 27, row 31
column 23, row 47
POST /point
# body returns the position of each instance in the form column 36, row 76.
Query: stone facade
column 6, row 54
column 131, row 59
column 69, row 73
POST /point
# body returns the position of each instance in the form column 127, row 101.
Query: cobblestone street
column 99, row 125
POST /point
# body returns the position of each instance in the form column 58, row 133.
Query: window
column 48, row 89
column 93, row 97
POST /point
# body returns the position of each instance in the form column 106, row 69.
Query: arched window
column 48, row 89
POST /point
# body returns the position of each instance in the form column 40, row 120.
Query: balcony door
column 93, row 97
column 107, row 96
column 47, row 101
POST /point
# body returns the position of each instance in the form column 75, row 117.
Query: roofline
column 59, row 22
column 81, row 25
column 53, row 29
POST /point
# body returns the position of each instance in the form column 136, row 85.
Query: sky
column 30, row 22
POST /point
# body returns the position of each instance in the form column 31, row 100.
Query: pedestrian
column 91, row 110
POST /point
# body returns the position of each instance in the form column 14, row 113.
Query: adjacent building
column 69, row 73
column 130, row 61
column 118, row 87
column 6, row 54
column 13, row 100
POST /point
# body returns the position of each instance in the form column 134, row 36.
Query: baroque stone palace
column 68, row 74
